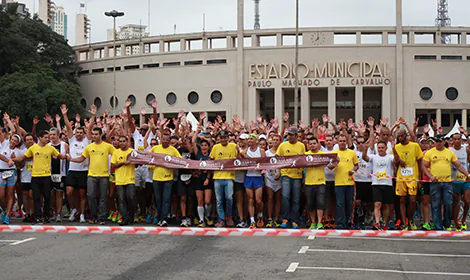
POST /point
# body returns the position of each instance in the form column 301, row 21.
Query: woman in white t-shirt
column 8, row 174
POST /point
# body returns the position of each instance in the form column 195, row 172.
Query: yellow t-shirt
column 160, row 173
column 224, row 152
column 288, row 149
column 347, row 160
column 410, row 154
column 440, row 163
column 315, row 175
column 41, row 159
column 99, row 156
column 124, row 175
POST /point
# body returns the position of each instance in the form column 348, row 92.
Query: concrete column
column 141, row 48
column 411, row 37
column 278, row 103
column 386, row 102
column 106, row 52
column 123, row 50
column 77, row 56
column 332, row 103
column 304, row 105
column 206, row 120
column 254, row 41
column 358, row 107
column 182, row 45
column 464, row 118
column 358, row 38
column 240, row 106
column 437, row 38
column 384, row 38
column 439, row 117
column 205, row 43
column 253, row 103
column 279, row 39
column 161, row 46
column 229, row 42
column 397, row 99
column 463, row 38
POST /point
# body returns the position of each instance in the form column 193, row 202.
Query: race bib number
column 381, row 175
column 56, row 178
column 460, row 177
column 141, row 148
column 7, row 174
column 362, row 165
column 408, row 171
column 29, row 166
column 151, row 168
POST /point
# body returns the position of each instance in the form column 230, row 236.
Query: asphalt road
column 80, row 256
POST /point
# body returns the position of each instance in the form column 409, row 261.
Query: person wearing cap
column 459, row 183
column 437, row 166
column 223, row 180
column 291, row 180
column 254, row 183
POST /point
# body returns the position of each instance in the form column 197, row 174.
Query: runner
column 26, row 175
column 59, row 171
column 363, row 180
column 330, row 213
column 273, row 185
column 239, row 188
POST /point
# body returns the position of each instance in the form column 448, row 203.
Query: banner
column 266, row 163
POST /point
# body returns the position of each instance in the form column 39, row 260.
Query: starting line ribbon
column 266, row 163
column 190, row 231
column 403, row 179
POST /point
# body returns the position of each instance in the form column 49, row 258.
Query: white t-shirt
column 76, row 150
column 365, row 168
column 6, row 151
column 381, row 166
column 139, row 140
column 329, row 174
column 389, row 149
column 27, row 170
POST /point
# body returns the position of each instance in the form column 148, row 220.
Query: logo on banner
column 167, row 158
column 237, row 162
column 203, row 164
column 309, row 159
column 273, row 160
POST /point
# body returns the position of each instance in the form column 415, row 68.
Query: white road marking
column 311, row 237
column 376, row 270
column 22, row 241
column 303, row 250
column 292, row 267
column 8, row 241
column 395, row 239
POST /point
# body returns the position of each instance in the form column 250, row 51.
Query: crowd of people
column 384, row 177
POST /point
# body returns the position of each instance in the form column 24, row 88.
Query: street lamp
column 296, row 80
column 114, row 14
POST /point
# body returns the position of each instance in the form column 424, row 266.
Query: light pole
column 296, row 80
column 114, row 14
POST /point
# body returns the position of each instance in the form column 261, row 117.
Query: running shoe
column 27, row 219
column 448, row 228
column 110, row 217
column 3, row 216
column 102, row 222
column 148, row 219
column 276, row 224
column 284, row 223
column 115, row 217
column 123, row 223
column 391, row 225
column 252, row 225
column 464, row 225
column 184, row 223
column 46, row 220
column 58, row 219
column 398, row 224
column 210, row 222
column 82, row 219
column 384, row 227
column 38, row 221
column 119, row 220
column 73, row 215
column 92, row 221
column 241, row 224
column 270, row 223
column 220, row 224
column 426, row 226
column 413, row 226
column 327, row 225
column 6, row 221
column 376, row 226
column 136, row 220
column 313, row 226
column 260, row 222
column 320, row 225
column 202, row 224
column 155, row 220
column 230, row 222
column 141, row 219
column 295, row 225
column 405, row 228
column 19, row 214
column 195, row 221
column 356, row 226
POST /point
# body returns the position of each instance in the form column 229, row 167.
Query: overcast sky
column 222, row 14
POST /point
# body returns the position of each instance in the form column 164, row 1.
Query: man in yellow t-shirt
column 98, row 174
column 163, row 180
column 437, row 166
column 125, row 181
column 344, row 183
column 41, row 182
column 291, row 180
column 223, row 180
column 408, row 156
column 315, row 185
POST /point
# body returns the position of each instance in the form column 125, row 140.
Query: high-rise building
column 59, row 24
column 21, row 9
column 53, row 16
column 82, row 29
column 128, row 32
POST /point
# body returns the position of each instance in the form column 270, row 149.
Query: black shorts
column 364, row 191
column 384, row 194
column 184, row 188
column 316, row 197
column 424, row 189
column 198, row 184
column 77, row 179
column 330, row 191
column 239, row 187
column 26, row 186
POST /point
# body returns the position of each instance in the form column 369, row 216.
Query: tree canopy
column 37, row 69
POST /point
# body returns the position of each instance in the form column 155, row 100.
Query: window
column 133, row 100
column 193, row 97
column 425, row 93
column 83, row 103
column 216, row 96
column 113, row 100
column 152, row 65
column 452, row 93
column 195, row 62
column 217, row 61
column 171, row 98
column 130, row 67
column 149, row 99
column 171, row 64
column 118, row 68
column 451, row 57
column 425, row 57
column 84, row 72
column 445, row 119
column 97, row 102
column 99, row 70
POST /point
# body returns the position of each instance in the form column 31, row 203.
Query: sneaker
column 458, row 226
column 136, row 220
column 426, row 226
column 155, row 220
column 320, row 225
column 38, row 221
column 252, row 226
column 110, row 217
column 184, row 223
column 114, row 218
column 260, row 222
column 270, row 223
column 313, row 226
column 284, row 223
column 148, row 219
column 405, row 228
column 229, row 222
column 464, row 225
column 163, row 223
column 123, row 223
column 201, row 224
column 3, row 216
column 398, row 224
column 119, row 218
column 448, row 228
column 27, row 219
column 6, row 221
column 73, row 215
column 19, row 214
column 141, row 219
column 241, row 224
column 327, row 225
column 195, row 221
column 276, row 224
column 295, row 225
column 391, row 225
column 220, row 224
column 102, row 222
column 210, row 222
column 376, row 226
column 92, row 221
column 58, row 219
column 413, row 226
column 82, row 219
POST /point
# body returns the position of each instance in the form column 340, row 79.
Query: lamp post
column 114, row 14
column 296, row 80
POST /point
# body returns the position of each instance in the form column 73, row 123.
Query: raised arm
column 91, row 122
column 64, row 111
column 129, row 116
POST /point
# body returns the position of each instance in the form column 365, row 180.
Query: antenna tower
column 443, row 19
column 257, row 25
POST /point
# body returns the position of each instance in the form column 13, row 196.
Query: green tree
column 37, row 69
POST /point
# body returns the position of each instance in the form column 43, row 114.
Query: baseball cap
column 322, row 137
column 253, row 136
column 223, row 133
column 262, row 136
column 439, row 138
column 244, row 136
column 292, row 130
